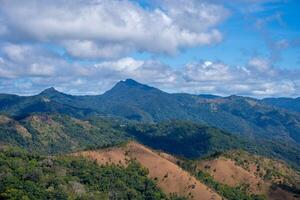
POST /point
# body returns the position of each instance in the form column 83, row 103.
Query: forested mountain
column 55, row 133
column 187, row 126
column 291, row 104
column 134, row 101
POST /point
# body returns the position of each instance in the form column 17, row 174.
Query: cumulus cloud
column 29, row 69
column 125, row 64
column 207, row 71
column 90, row 49
column 257, row 78
column 26, row 60
column 260, row 64
column 201, row 15
column 99, row 37
column 31, row 65
column 107, row 29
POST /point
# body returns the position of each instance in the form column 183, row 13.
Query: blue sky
column 243, row 47
column 244, row 39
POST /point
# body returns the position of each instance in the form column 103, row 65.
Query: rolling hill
column 233, row 175
column 242, row 171
column 96, row 139
column 56, row 133
column 31, row 176
column 170, row 178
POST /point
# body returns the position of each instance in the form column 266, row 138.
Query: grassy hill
column 170, row 177
column 241, row 171
column 143, row 173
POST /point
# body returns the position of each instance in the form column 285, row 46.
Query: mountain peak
column 130, row 83
column 131, row 86
column 50, row 91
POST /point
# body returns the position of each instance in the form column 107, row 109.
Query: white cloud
column 41, row 70
column 109, row 31
column 125, row 64
column 109, row 28
column 275, row 88
column 194, row 15
column 207, row 71
column 15, row 52
column 260, row 64
column 26, row 60
column 89, row 49
column 37, row 69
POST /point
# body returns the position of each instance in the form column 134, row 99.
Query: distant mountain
column 240, row 115
column 248, row 117
column 184, row 125
column 50, row 100
column 136, row 101
column 291, row 104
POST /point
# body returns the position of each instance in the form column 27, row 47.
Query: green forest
column 25, row 176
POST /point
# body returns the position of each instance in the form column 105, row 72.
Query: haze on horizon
column 246, row 47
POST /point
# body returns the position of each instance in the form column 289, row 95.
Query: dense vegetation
column 26, row 176
column 190, row 126
column 290, row 104
column 135, row 101
column 55, row 133
column 194, row 140
column 270, row 126
column 52, row 134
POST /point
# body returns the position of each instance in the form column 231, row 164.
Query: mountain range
column 134, row 101
column 203, row 144
column 259, row 120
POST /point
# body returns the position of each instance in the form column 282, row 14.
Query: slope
column 255, row 174
column 135, row 101
column 53, row 133
column 31, row 176
column 273, row 128
column 291, row 104
column 170, row 178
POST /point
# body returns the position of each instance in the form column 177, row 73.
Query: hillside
column 195, row 140
column 142, row 173
column 170, row 178
column 255, row 174
column 291, row 104
column 53, row 133
column 30, row 176
column 135, row 101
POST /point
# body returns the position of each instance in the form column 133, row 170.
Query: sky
column 237, row 47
